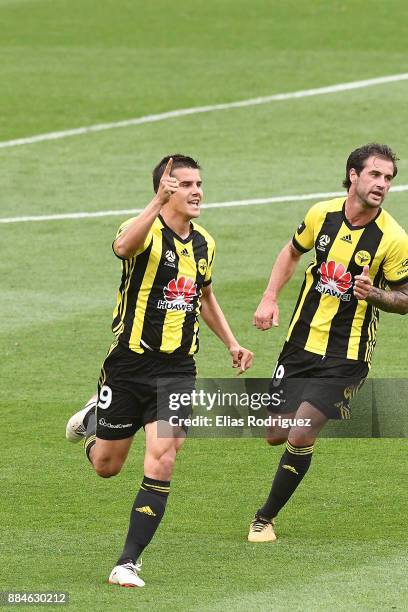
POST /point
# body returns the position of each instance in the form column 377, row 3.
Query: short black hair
column 179, row 161
column 358, row 157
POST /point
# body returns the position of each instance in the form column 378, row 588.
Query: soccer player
column 359, row 251
column 167, row 261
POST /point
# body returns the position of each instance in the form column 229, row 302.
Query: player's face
column 372, row 184
column 187, row 199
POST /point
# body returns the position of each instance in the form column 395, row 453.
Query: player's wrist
column 270, row 295
column 233, row 345
column 159, row 200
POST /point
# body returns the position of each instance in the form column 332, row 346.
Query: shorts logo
column 179, row 294
column 324, row 240
column 105, row 423
column 362, row 258
column 202, row 266
column 335, row 280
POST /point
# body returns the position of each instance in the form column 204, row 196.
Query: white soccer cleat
column 261, row 530
column 76, row 429
column 126, row 575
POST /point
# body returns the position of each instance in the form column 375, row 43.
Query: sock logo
column 146, row 510
column 290, row 468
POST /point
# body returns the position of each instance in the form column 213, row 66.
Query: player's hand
column 168, row 184
column 362, row 284
column 267, row 314
column 241, row 358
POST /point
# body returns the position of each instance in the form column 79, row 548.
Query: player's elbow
column 404, row 309
column 402, row 303
column 121, row 249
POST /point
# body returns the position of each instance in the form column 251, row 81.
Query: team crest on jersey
column 362, row 258
column 178, row 294
column 335, row 280
column 202, row 266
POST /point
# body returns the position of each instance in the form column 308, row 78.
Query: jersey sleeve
column 208, row 274
column 122, row 228
column 396, row 263
column 304, row 237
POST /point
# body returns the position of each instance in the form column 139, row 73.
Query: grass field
column 67, row 64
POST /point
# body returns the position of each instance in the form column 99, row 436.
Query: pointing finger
column 168, row 167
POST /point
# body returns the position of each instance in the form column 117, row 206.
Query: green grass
column 65, row 64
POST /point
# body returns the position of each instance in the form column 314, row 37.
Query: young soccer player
column 167, row 263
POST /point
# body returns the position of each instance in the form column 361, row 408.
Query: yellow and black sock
column 90, row 436
column 292, row 467
column 147, row 512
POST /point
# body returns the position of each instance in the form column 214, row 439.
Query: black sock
column 90, row 436
column 147, row 512
column 292, row 467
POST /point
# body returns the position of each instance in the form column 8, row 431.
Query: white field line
column 130, row 211
column 101, row 127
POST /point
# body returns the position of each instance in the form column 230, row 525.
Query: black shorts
column 328, row 383
column 129, row 391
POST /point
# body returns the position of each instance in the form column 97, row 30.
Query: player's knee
column 274, row 437
column 275, row 440
column 165, row 465
column 302, row 439
column 107, row 468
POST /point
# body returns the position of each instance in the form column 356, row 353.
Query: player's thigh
column 308, row 422
column 119, row 409
column 278, row 427
column 162, row 438
column 286, row 387
column 336, row 382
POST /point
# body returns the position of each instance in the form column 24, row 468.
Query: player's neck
column 357, row 212
column 180, row 225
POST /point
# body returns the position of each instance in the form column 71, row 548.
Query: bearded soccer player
column 360, row 267
column 167, row 262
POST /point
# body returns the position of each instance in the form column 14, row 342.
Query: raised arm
column 267, row 313
column 133, row 237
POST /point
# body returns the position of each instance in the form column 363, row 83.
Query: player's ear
column 353, row 176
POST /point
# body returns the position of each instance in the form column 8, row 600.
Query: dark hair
column 358, row 157
column 179, row 161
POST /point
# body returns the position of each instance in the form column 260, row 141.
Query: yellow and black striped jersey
column 328, row 319
column 158, row 301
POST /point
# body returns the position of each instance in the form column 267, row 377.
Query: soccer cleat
column 76, row 429
column 126, row 575
column 261, row 530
